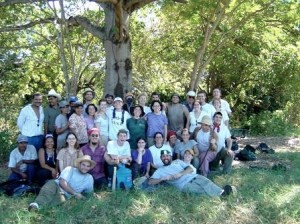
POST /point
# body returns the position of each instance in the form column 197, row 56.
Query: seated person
column 188, row 156
column 95, row 149
column 66, row 156
column 47, row 159
column 73, row 181
column 22, row 161
column 155, row 150
column 172, row 141
column 141, row 158
column 180, row 175
column 118, row 151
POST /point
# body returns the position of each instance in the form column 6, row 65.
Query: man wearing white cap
column 181, row 175
column 21, row 161
column 72, row 182
column 51, row 112
column 189, row 103
column 30, row 121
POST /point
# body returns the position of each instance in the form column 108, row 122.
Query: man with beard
column 51, row 112
column 95, row 149
column 73, row 182
column 180, row 175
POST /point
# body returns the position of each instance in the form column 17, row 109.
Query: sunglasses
column 95, row 135
column 192, row 97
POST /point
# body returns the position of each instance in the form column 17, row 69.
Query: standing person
column 73, row 182
column 136, row 125
column 101, row 121
column 110, row 101
column 22, row 161
column 180, row 175
column 77, row 124
column 142, row 99
column 129, row 101
column 177, row 114
column 185, row 144
column 96, row 150
column 72, row 103
column 155, row 150
column 207, row 141
column 224, row 105
column 206, row 107
column 196, row 116
column 62, row 125
column 157, row 122
column 217, row 105
column 88, row 96
column 117, row 119
column 90, row 110
column 118, row 151
column 141, row 160
column 155, row 96
column 51, row 112
column 66, row 156
column 47, row 160
column 30, row 121
column 189, row 103
column 224, row 153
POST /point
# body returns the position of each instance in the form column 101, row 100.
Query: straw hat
column 55, row 94
column 85, row 158
column 206, row 120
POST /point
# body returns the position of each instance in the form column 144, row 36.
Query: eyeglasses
column 94, row 136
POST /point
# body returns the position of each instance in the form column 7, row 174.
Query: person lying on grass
column 73, row 182
column 180, row 175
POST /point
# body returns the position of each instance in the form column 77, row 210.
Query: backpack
column 263, row 147
column 234, row 146
column 17, row 188
column 124, row 178
column 247, row 154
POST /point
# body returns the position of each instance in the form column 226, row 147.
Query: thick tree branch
column 88, row 26
column 14, row 2
column 27, row 25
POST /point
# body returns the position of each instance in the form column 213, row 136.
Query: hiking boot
column 33, row 207
column 229, row 190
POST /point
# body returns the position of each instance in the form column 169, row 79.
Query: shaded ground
column 268, row 161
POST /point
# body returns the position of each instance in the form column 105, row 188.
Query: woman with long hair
column 102, row 121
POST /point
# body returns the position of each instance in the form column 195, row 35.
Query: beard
column 167, row 162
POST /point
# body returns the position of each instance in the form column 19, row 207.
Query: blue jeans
column 30, row 174
column 36, row 141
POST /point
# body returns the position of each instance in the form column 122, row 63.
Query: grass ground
column 264, row 196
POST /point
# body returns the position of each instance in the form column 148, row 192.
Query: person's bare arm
column 66, row 187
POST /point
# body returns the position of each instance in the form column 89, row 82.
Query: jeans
column 36, row 141
column 30, row 171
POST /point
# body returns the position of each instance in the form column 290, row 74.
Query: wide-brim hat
column 85, row 158
column 135, row 106
column 55, row 94
column 128, row 94
column 206, row 120
column 89, row 90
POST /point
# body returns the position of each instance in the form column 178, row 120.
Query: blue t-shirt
column 146, row 158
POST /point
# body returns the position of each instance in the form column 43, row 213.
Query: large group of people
column 68, row 141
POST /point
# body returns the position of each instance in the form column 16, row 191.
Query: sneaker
column 33, row 207
column 229, row 190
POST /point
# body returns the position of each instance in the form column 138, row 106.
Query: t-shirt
column 119, row 150
column 209, row 109
column 146, row 158
column 115, row 123
column 67, row 157
column 203, row 140
column 15, row 157
column 182, row 146
column 79, row 182
column 156, row 123
column 155, row 152
column 137, row 129
column 78, row 124
column 175, row 167
column 61, row 121
column 102, row 124
column 223, row 134
column 51, row 113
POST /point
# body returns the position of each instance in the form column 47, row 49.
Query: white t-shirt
column 223, row 134
column 155, row 152
column 15, row 157
column 209, row 109
column 102, row 124
column 202, row 139
column 115, row 123
column 194, row 121
column 114, row 149
column 78, row 181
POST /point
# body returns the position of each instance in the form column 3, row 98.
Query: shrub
column 7, row 139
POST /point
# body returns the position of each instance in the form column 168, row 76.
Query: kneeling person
column 180, row 175
column 73, row 181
